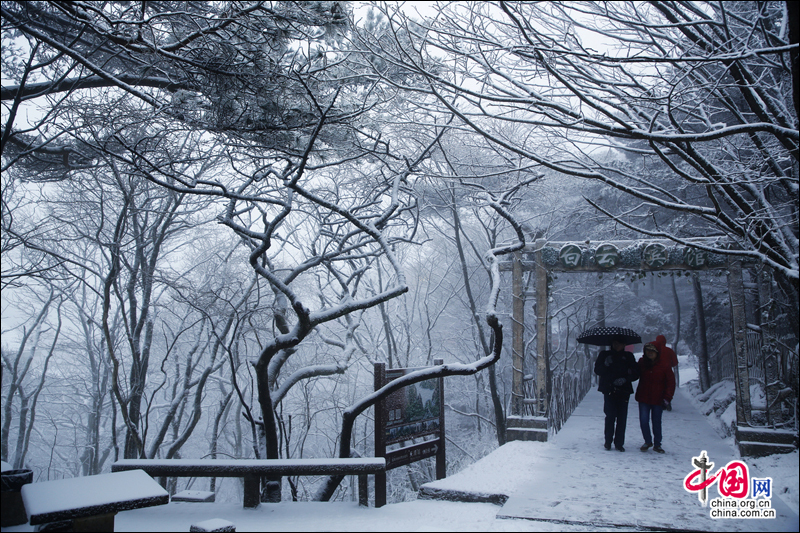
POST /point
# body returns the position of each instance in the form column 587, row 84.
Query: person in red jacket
column 668, row 353
column 656, row 384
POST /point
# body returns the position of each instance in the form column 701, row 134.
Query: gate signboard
column 412, row 412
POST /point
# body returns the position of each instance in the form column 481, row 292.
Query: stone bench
column 252, row 470
column 213, row 524
column 91, row 502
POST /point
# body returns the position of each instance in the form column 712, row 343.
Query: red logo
column 732, row 480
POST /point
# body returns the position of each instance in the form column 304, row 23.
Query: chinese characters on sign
column 695, row 258
column 570, row 256
column 606, row 256
column 652, row 256
column 655, row 255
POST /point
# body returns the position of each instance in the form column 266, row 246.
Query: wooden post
column 441, row 457
column 363, row 490
column 739, row 325
column 252, row 492
column 379, row 379
column 542, row 350
column 517, row 336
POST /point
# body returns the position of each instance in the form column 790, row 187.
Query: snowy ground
column 512, row 470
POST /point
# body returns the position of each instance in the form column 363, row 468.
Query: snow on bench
column 213, row 524
column 253, row 469
column 91, row 502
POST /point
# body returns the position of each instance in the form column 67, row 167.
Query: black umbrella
column 602, row 336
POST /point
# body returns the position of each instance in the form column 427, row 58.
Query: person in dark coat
column 656, row 385
column 617, row 370
column 669, row 354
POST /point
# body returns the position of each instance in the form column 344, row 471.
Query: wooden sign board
column 412, row 412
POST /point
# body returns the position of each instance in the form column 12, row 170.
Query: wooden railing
column 252, row 470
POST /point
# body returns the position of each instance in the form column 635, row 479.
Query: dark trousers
column 615, row 406
column 645, row 412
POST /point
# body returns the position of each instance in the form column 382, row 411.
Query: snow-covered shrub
column 718, row 403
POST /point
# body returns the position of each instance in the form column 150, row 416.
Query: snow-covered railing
column 253, row 469
column 569, row 388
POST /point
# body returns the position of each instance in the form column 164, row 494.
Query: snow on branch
column 305, row 373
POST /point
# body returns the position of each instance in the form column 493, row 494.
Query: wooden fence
column 722, row 361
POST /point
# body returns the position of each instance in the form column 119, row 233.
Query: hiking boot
column 658, row 449
column 620, row 448
column 646, row 446
column 607, row 446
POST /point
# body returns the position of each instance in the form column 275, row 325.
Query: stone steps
column 526, row 428
column 760, row 442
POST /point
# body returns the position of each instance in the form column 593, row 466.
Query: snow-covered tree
column 693, row 99
column 253, row 107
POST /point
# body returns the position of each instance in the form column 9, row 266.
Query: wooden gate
column 530, row 415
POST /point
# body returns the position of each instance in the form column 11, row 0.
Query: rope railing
column 569, row 389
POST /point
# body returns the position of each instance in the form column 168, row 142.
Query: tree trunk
column 702, row 357
column 601, row 310
column 271, row 491
column 21, row 429
column 223, row 410
column 499, row 415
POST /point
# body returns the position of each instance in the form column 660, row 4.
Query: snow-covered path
column 576, row 481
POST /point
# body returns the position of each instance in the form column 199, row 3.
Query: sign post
column 411, row 412
column 379, row 378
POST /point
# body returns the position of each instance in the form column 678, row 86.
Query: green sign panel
column 412, row 411
column 695, row 258
column 606, row 256
column 570, row 256
column 655, row 255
